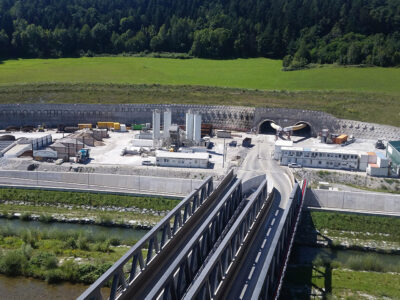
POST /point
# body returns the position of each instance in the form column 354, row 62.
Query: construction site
column 189, row 143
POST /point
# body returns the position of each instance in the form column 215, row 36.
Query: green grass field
column 364, row 94
column 259, row 73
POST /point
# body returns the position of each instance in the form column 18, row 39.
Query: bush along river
column 57, row 260
column 344, row 256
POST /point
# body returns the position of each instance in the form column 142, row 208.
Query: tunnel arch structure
column 264, row 127
column 306, row 131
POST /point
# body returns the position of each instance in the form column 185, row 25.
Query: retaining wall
column 354, row 201
column 229, row 117
column 158, row 185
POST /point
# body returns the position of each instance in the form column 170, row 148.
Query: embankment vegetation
column 58, row 255
column 37, row 197
column 385, row 227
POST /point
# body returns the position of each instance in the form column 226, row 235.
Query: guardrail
column 182, row 270
column 122, row 274
column 224, row 260
column 293, row 233
column 269, row 278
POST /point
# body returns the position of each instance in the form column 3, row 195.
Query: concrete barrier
column 158, row 185
column 380, row 203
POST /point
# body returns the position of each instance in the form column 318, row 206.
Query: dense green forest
column 300, row 31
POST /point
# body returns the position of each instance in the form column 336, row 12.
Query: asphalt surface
column 259, row 161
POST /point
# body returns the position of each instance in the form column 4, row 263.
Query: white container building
column 183, row 160
column 320, row 158
column 381, row 160
column 375, row 170
column 278, row 146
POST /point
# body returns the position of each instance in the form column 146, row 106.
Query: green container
column 137, row 126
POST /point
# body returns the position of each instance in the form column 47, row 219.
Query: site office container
column 83, row 126
column 375, row 170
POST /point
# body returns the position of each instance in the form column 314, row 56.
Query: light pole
column 223, row 156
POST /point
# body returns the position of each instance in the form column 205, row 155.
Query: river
column 29, row 288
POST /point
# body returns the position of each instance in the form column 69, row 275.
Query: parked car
column 294, row 165
column 147, row 163
column 233, row 144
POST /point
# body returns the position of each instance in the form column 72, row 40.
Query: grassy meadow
column 258, row 73
column 366, row 94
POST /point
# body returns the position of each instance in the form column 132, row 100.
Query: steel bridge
column 216, row 244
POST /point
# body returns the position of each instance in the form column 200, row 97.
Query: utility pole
column 223, row 156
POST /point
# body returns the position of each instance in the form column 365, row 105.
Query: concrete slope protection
column 224, row 117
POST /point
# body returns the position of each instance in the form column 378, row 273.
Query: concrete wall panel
column 364, row 201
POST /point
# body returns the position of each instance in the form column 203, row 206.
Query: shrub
column 102, row 246
column 44, row 260
column 369, row 262
column 115, row 241
column 70, row 270
column 45, row 218
column 13, row 263
column 54, row 276
column 70, row 244
column 82, row 243
column 25, row 217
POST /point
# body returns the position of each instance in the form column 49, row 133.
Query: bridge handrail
column 289, row 250
column 258, row 292
column 216, row 268
column 208, row 234
column 189, row 205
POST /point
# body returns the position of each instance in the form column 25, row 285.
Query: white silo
column 197, row 128
column 156, row 124
column 189, row 125
column 167, row 123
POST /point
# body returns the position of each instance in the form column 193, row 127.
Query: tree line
column 299, row 31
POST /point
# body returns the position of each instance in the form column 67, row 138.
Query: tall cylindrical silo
column 167, row 123
column 189, row 125
column 156, row 124
column 197, row 128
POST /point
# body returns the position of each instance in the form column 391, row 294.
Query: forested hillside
column 300, row 31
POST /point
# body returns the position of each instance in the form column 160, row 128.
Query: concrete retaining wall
column 354, row 201
column 158, row 185
column 228, row 117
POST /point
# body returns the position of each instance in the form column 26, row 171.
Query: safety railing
column 182, row 270
column 293, row 233
column 208, row 283
column 141, row 255
column 271, row 272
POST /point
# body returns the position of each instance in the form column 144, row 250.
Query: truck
column 246, row 142
column 83, row 155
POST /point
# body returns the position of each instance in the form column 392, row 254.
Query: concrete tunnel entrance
column 305, row 132
column 266, row 128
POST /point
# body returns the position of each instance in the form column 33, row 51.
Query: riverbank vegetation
column 349, row 231
column 58, row 255
column 357, row 226
column 322, row 263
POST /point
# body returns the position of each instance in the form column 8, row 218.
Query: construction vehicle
column 83, row 155
column 379, row 145
column 41, row 128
